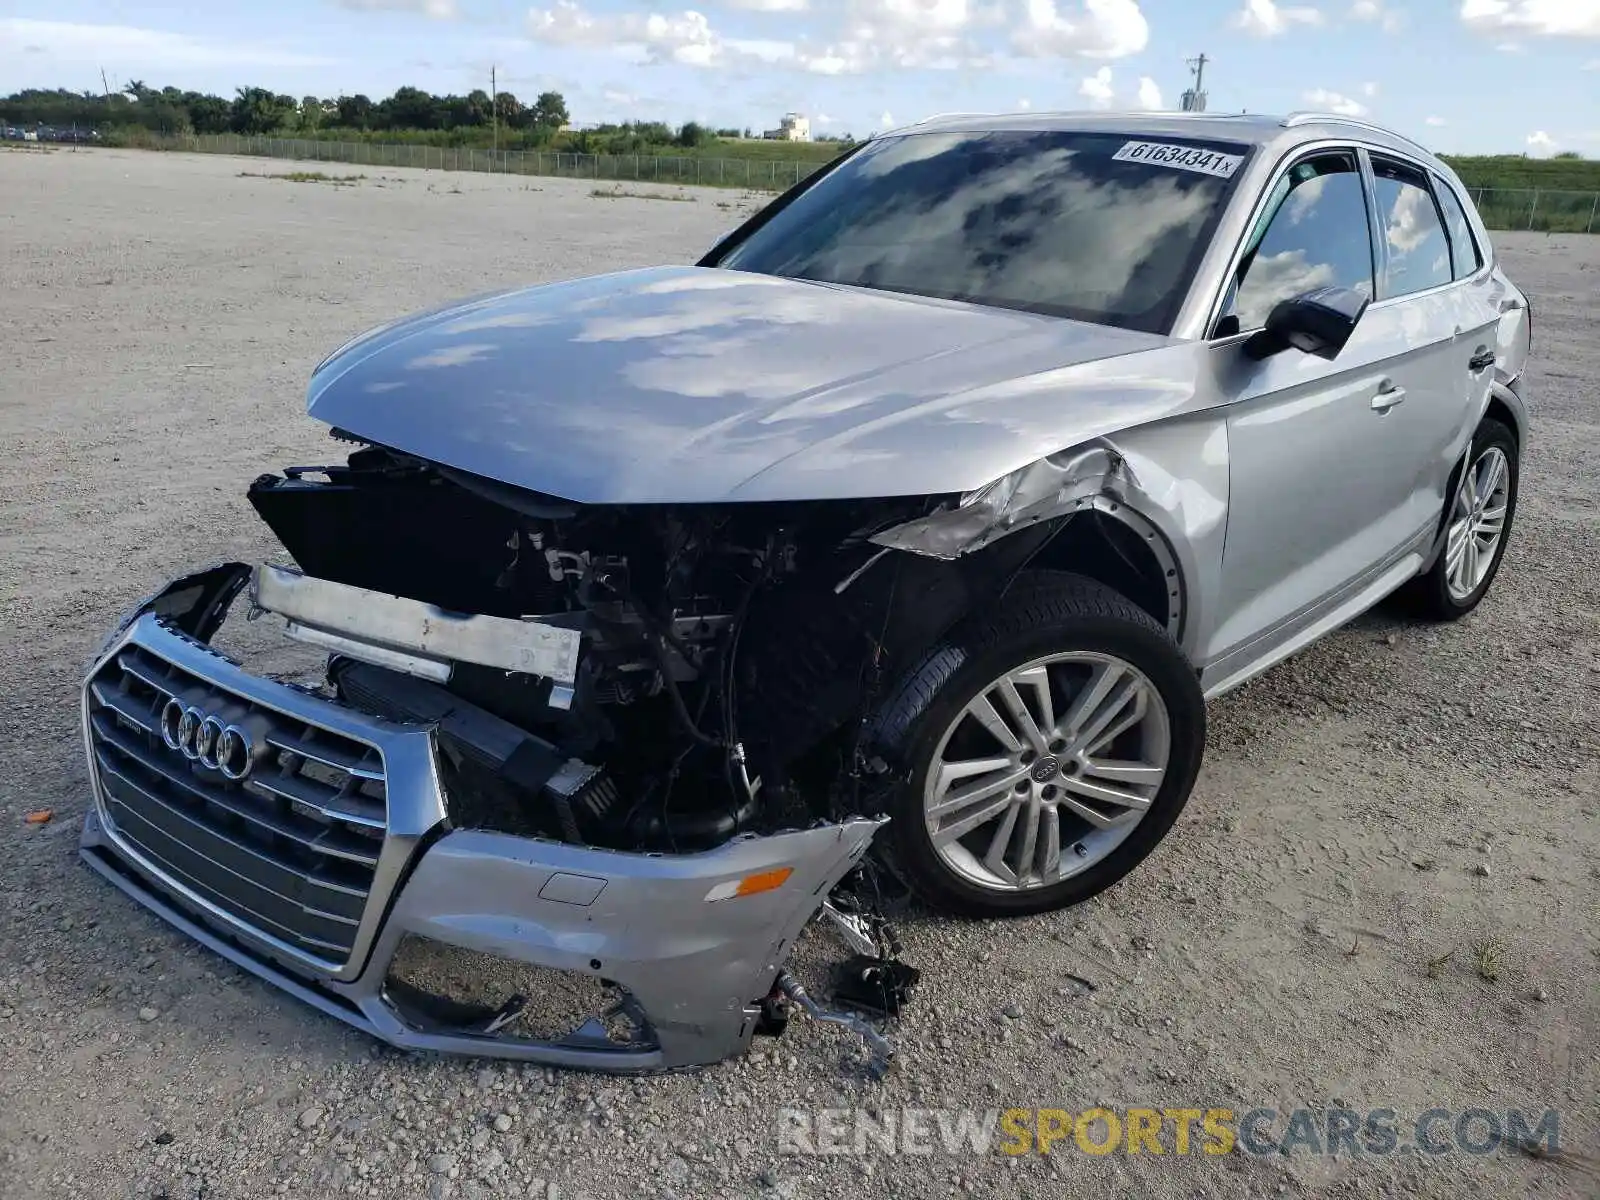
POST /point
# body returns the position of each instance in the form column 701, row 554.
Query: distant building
column 793, row 128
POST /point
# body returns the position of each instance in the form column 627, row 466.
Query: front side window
column 1312, row 233
column 1413, row 232
column 1095, row 226
column 1464, row 257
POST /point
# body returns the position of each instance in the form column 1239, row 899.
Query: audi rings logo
column 208, row 739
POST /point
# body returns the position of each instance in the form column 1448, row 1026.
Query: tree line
column 409, row 115
column 256, row 110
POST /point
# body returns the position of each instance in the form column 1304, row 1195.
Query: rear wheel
column 1050, row 746
column 1478, row 525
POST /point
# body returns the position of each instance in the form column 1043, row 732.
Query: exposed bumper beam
column 357, row 616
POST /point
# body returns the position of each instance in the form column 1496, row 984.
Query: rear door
column 1435, row 298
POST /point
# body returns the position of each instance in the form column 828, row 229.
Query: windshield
column 1096, row 226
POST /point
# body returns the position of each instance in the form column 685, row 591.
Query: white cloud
column 1263, row 18
column 1149, row 94
column 1436, row 122
column 686, row 39
column 442, row 10
column 1390, row 20
column 1537, row 18
column 887, row 120
column 127, row 49
column 874, row 34
column 770, row 5
column 1104, row 29
column 1540, row 143
column 1024, row 104
column 1369, row 90
column 1323, row 100
column 1274, row 276
column 1592, row 66
column 1509, row 47
column 1096, row 88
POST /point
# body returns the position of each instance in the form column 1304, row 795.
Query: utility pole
column 104, row 84
column 1194, row 99
column 494, row 109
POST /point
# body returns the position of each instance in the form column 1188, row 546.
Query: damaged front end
column 611, row 756
column 317, row 843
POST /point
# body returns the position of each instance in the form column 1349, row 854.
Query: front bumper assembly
column 243, row 866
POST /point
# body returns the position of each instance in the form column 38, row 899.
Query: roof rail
column 1311, row 118
column 946, row 115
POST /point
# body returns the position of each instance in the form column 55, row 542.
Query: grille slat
column 324, row 800
column 291, row 851
column 306, row 834
column 152, row 677
column 232, row 905
column 329, row 756
column 125, row 706
column 278, row 879
column 217, row 881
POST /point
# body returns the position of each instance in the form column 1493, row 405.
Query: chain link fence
column 758, row 174
column 1539, row 208
column 1502, row 208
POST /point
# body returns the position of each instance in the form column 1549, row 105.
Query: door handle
column 1387, row 397
column 1480, row 361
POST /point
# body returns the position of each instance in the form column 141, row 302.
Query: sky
column 1463, row 76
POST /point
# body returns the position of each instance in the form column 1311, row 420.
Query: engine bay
column 730, row 653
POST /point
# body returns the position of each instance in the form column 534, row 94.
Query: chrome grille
column 290, row 852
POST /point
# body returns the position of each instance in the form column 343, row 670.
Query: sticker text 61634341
column 1185, row 158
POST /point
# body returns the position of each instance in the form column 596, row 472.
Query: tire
column 1086, row 640
column 1436, row 595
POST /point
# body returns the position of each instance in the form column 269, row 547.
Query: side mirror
column 1317, row 322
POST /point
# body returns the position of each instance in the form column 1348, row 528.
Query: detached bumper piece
column 306, row 841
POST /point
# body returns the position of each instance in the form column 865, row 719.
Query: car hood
column 686, row 385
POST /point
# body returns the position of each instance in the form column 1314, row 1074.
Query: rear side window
column 1313, row 233
column 1464, row 256
column 1413, row 231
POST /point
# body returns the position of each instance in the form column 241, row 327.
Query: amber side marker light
column 750, row 885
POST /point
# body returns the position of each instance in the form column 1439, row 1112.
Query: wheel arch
column 1116, row 545
column 1507, row 407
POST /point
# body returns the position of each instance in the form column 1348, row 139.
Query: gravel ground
column 1393, row 794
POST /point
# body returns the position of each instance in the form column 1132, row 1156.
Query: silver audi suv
column 897, row 543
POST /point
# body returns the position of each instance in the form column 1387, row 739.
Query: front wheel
column 1049, row 746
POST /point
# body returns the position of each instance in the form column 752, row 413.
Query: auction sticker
column 1185, row 158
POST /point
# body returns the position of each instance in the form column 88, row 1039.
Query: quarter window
column 1464, row 256
column 1313, row 233
column 1413, row 232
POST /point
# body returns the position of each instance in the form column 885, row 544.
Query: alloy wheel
column 1047, row 771
column 1477, row 523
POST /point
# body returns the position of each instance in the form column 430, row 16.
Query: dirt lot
column 1381, row 824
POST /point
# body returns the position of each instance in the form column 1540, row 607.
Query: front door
column 1321, row 471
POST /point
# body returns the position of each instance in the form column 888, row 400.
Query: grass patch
column 305, row 177
column 1487, row 955
column 621, row 193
